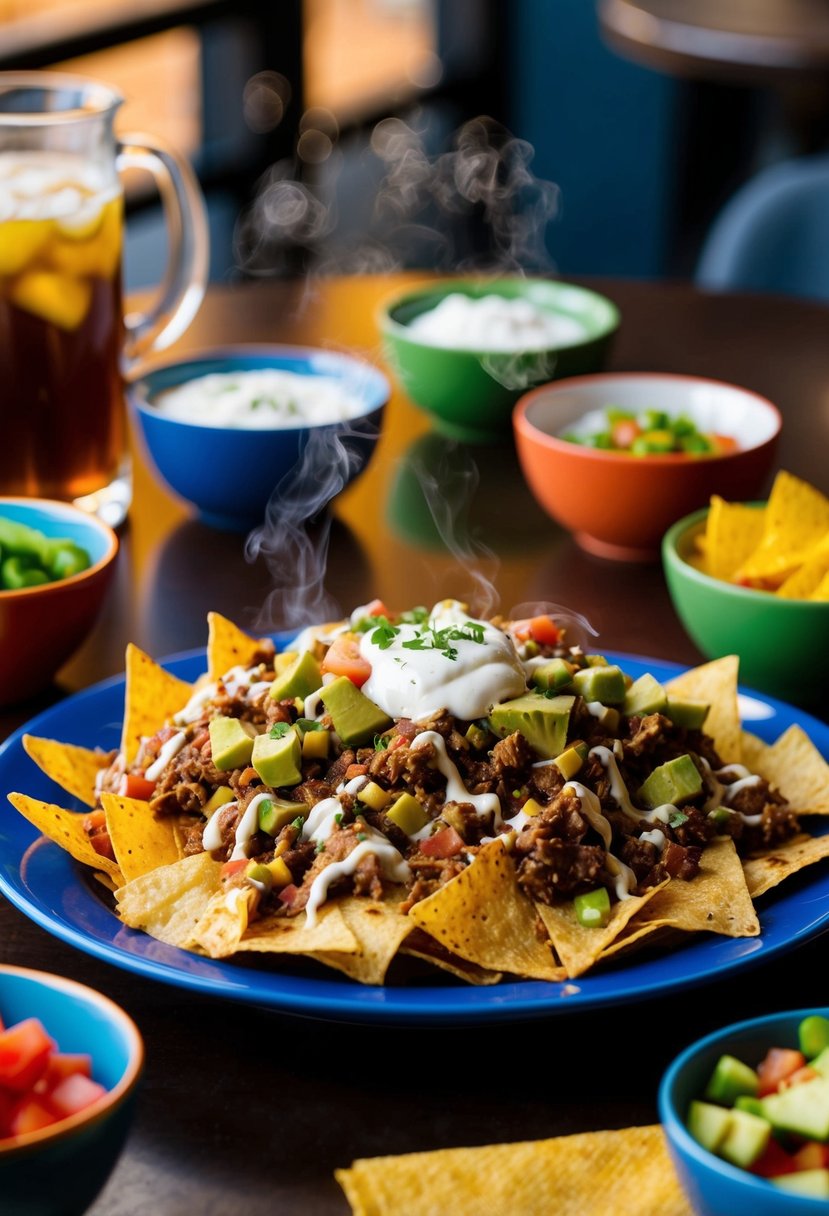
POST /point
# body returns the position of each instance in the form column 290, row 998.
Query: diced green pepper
column 592, row 908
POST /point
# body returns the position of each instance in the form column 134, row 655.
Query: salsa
column 40, row 1085
column 650, row 433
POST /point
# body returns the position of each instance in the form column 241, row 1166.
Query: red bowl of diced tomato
column 70, row 1063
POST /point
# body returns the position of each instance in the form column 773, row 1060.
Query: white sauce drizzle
column 456, row 791
column 212, row 834
column 170, row 749
column 591, row 808
column 247, row 827
column 655, row 837
column 320, row 822
column 392, row 863
column 620, row 795
column 193, row 709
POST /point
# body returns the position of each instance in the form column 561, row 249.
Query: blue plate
column 48, row 886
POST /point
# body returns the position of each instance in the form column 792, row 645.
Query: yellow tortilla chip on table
column 796, row 521
column 293, row 934
column 717, row 899
column 798, row 770
column 64, row 828
column 141, row 841
column 715, row 683
column 379, row 928
column 168, row 902
column 228, row 646
column 580, row 946
column 152, row 696
column 732, row 533
column 75, row 769
column 483, row 915
column 767, row 870
column 588, row 1174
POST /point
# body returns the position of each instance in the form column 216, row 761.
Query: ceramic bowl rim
column 104, row 1106
column 138, row 389
column 667, row 460
column 396, row 329
column 55, row 507
column 671, row 556
column 674, row 1126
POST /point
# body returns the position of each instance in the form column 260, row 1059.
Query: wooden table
column 250, row 1109
column 752, row 39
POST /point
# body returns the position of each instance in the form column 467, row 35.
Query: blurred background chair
column 773, row 235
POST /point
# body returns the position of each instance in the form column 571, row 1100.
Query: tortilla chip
column 153, row 695
column 821, row 592
column 733, row 531
column 168, row 902
column 764, row 871
column 74, row 769
column 601, row 1173
column 293, row 935
column 795, row 766
column 638, row 933
column 716, row 684
column 379, row 927
column 796, row 521
column 579, row 946
column 806, row 582
column 225, row 920
column 66, row 829
column 141, row 841
column 227, row 646
column 419, row 945
column 717, row 899
column 483, row 916
column 753, row 749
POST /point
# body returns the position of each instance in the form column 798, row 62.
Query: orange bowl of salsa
column 617, row 458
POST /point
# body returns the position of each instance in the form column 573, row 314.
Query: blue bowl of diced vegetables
column 746, row 1116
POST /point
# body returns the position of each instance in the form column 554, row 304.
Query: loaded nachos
column 478, row 794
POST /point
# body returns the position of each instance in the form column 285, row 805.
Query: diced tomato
column 797, row 1078
column 8, row 1104
column 94, row 821
column 397, row 741
column 774, row 1161
column 288, row 894
column 24, row 1054
column 233, row 867
column 445, row 843
column 343, row 658
column 541, row 629
column 102, row 845
column 623, row 432
column 134, row 786
column 72, row 1094
column 377, row 608
column 778, row 1064
column 355, row 770
column 30, row 1115
column 812, row 1156
column 65, row 1064
column 724, row 443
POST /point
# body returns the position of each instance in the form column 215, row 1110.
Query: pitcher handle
column 185, row 278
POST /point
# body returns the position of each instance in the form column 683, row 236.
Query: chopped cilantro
column 338, row 818
column 320, row 846
column 298, row 823
column 414, row 616
column 384, row 634
column 279, row 730
column 677, row 819
column 362, row 836
column 304, row 725
column 380, row 743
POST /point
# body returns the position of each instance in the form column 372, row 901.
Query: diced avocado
column 274, row 813
column 709, row 1124
column 731, row 1078
column 231, row 743
column 803, row 1109
column 553, row 675
column 814, row 1183
column 813, row 1034
column 596, row 660
column 477, row 736
column 301, row 678
column 645, row 696
column 543, row 721
column 283, row 660
column 571, row 760
column 687, row 713
column 592, row 908
column 375, row 796
column 356, row 719
column 407, row 814
column 745, row 1139
column 219, row 797
column 673, row 783
column 754, row 1106
column 278, row 761
column 605, row 684
column 821, row 1062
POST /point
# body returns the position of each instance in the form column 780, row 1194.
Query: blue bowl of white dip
column 225, row 427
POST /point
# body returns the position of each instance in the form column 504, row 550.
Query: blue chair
column 773, row 235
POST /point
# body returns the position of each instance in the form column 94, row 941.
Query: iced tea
column 61, row 326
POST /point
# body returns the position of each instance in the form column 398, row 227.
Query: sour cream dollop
column 416, row 681
column 265, row 399
column 494, row 323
